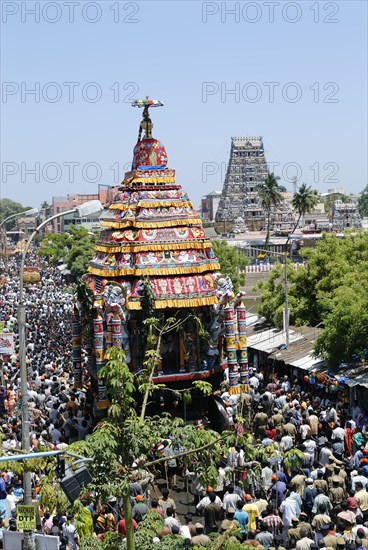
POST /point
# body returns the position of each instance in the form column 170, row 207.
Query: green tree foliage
column 123, row 436
column 147, row 298
column 273, row 295
column 232, row 262
column 270, row 196
column 55, row 246
column 148, row 529
column 46, row 208
column 331, row 290
column 81, row 254
column 363, row 202
column 346, row 325
column 304, row 200
column 8, row 208
column 76, row 247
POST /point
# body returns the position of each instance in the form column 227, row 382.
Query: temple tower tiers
column 152, row 230
column 247, row 168
column 345, row 215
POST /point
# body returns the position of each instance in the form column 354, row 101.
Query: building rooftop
column 356, row 376
column 213, row 193
column 27, row 220
column 271, row 339
column 304, row 348
column 300, row 351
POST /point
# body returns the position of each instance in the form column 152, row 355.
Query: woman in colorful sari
column 12, row 401
column 85, row 523
column 348, row 440
column 358, row 440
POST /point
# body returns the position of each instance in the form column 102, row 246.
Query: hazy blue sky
column 312, row 113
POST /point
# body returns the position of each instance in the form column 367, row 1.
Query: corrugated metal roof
column 356, row 376
column 300, row 351
column 359, row 381
column 271, row 339
column 251, row 319
column 307, row 363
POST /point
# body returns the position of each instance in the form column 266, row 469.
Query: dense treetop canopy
column 331, row 290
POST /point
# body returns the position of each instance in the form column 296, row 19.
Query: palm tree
column 269, row 194
column 330, row 199
column 304, row 200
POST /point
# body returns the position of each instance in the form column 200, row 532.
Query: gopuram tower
column 247, row 168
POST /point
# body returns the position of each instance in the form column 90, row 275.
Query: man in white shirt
column 230, row 499
column 11, row 502
column 304, row 431
column 254, row 381
column 184, row 532
column 32, row 394
column 205, row 501
column 358, row 478
column 362, row 529
column 332, row 414
column 280, row 401
column 233, row 400
column 219, row 486
column 70, row 533
column 241, row 458
column 324, row 454
column 285, row 385
column 225, row 396
column 286, row 443
column 170, row 521
column 266, row 474
column 338, row 432
column 310, row 447
column 9, row 443
column 288, row 510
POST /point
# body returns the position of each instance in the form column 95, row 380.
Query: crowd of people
column 59, row 414
column 306, row 490
column 309, row 489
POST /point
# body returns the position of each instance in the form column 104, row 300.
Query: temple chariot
column 153, row 237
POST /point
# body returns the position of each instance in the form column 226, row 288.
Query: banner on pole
column 7, row 346
column 26, row 518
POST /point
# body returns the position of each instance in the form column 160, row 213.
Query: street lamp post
column 29, row 212
column 286, row 305
column 85, row 209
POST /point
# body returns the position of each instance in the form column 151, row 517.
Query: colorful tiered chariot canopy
column 152, row 229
